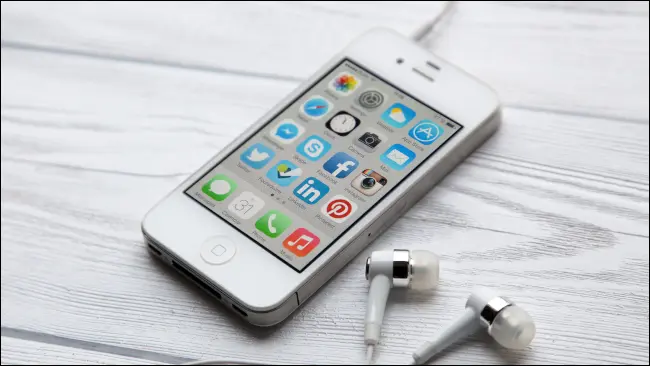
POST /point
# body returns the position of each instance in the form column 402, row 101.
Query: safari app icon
column 219, row 187
column 398, row 115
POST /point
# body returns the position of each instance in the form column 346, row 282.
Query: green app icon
column 273, row 223
column 219, row 187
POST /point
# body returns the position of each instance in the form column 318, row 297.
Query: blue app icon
column 287, row 131
column 311, row 190
column 426, row 132
column 316, row 107
column 257, row 156
column 284, row 173
column 314, row 147
column 397, row 157
column 340, row 165
column 398, row 115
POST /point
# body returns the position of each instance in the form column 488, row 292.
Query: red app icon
column 301, row 242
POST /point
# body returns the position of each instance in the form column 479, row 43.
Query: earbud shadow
column 487, row 344
column 402, row 295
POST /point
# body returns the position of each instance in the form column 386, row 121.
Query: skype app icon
column 314, row 147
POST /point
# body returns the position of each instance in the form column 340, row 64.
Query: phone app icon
column 426, row 132
column 257, row 156
column 398, row 115
column 369, row 140
column 344, row 83
column 287, row 131
column 273, row 224
column 284, row 173
column 343, row 123
column 370, row 99
column 301, row 242
column 314, row 147
column 397, row 157
column 316, row 107
column 219, row 187
column 246, row 205
column 339, row 208
column 369, row 182
column 340, row 165
column 311, row 190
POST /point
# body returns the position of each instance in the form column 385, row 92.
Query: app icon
column 345, row 83
column 314, row 147
column 343, row 123
column 369, row 140
column 370, row 99
column 284, row 173
column 398, row 115
column 369, row 182
column 316, row 107
column 273, row 224
column 426, row 132
column 311, row 190
column 338, row 209
column 219, row 187
column 301, row 242
column 397, row 157
column 287, row 131
column 257, row 156
column 246, row 205
column 340, row 165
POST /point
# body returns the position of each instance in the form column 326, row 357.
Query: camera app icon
column 369, row 140
column 369, row 182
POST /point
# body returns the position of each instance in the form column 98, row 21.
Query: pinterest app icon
column 338, row 209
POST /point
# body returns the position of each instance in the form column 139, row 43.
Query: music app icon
column 301, row 242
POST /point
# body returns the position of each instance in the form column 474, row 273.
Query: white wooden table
column 107, row 106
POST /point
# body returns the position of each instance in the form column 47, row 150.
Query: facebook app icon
column 340, row 165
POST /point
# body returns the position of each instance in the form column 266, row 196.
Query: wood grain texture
column 553, row 210
column 22, row 352
column 570, row 57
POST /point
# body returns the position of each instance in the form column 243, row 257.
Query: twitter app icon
column 257, row 156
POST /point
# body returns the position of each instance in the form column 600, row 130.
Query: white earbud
column 506, row 322
column 418, row 270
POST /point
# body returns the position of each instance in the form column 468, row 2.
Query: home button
column 218, row 250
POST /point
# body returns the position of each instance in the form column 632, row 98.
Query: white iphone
column 274, row 215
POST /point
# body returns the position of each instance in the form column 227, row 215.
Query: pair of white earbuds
column 507, row 323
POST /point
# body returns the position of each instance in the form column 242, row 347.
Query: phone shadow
column 229, row 319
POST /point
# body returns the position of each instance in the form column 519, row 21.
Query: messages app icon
column 219, row 187
column 398, row 115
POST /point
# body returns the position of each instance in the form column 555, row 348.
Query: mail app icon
column 397, row 157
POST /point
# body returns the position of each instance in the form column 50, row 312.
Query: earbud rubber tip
column 513, row 328
column 426, row 270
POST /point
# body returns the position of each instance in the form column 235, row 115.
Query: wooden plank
column 25, row 352
column 587, row 59
column 88, row 146
column 171, row 121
